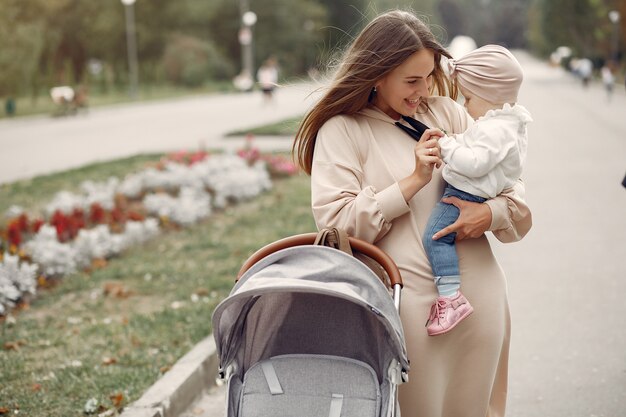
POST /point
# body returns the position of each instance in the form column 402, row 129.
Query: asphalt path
column 567, row 277
column 41, row 145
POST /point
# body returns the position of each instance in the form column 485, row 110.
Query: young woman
column 372, row 179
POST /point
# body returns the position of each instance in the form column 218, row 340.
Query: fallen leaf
column 36, row 387
column 4, row 410
column 98, row 263
column 14, row 345
column 116, row 289
column 165, row 368
column 117, row 399
column 108, row 361
column 201, row 292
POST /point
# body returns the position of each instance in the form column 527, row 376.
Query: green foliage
column 286, row 127
column 292, row 31
column 44, row 43
column 582, row 25
column 19, row 57
column 190, row 62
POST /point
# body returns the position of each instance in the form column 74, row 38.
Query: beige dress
column 357, row 163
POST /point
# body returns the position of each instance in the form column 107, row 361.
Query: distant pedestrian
column 585, row 69
column 9, row 107
column 608, row 80
column 267, row 76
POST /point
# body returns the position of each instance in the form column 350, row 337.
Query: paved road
column 568, row 276
column 40, row 145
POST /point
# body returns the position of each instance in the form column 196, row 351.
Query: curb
column 173, row 393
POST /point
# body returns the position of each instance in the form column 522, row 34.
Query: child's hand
column 428, row 133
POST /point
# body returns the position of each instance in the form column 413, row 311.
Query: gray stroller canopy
column 309, row 299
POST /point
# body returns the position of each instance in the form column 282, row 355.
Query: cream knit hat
column 491, row 72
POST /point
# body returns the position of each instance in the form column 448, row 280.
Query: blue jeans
column 442, row 252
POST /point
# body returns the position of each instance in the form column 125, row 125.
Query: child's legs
column 442, row 252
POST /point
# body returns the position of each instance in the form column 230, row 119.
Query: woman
column 373, row 180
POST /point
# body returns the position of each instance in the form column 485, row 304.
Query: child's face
column 476, row 106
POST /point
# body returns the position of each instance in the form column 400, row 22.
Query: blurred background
column 120, row 50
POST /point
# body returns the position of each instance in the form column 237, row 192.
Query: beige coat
column 357, row 163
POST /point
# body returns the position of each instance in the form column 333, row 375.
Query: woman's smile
column 413, row 102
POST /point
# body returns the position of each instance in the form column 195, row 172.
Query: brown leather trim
column 309, row 239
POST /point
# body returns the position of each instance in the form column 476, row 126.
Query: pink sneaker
column 446, row 313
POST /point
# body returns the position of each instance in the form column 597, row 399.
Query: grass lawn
column 27, row 106
column 287, row 127
column 111, row 332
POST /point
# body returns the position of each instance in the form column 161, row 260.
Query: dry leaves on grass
column 116, row 289
column 14, row 345
column 117, row 399
column 106, row 361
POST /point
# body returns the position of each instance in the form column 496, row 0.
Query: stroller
column 311, row 331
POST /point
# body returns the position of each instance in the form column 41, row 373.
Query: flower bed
column 78, row 231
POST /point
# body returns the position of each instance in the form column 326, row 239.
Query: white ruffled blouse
column 489, row 156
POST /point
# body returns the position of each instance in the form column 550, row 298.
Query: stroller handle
column 309, row 239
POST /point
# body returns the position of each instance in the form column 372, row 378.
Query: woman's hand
column 474, row 219
column 427, row 157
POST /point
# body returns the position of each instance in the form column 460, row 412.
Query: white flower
column 14, row 211
column 96, row 243
column 231, row 179
column 23, row 274
column 191, row 205
column 16, row 279
column 53, row 257
column 102, row 193
column 65, row 202
column 136, row 233
column 132, row 186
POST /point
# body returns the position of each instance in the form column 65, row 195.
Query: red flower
column 61, row 224
column 14, row 233
column 36, row 225
column 179, row 156
column 75, row 222
column 98, row 215
column 117, row 215
column 22, row 221
column 198, row 157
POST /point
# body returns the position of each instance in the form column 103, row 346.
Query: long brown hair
column 385, row 43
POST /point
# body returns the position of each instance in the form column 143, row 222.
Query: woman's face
column 400, row 92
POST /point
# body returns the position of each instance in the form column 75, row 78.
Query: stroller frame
column 309, row 330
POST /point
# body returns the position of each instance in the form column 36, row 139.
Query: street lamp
column 131, row 44
column 614, row 18
column 245, row 80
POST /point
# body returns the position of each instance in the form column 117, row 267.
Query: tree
column 452, row 18
column 582, row 25
column 289, row 30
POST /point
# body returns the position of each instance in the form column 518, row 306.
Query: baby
column 479, row 164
